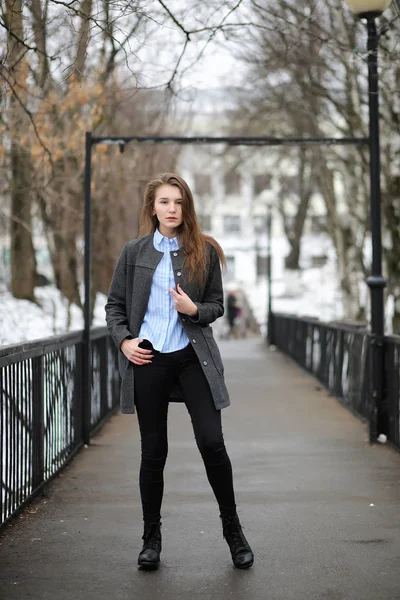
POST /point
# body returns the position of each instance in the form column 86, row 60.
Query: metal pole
column 270, row 319
column 376, row 282
column 230, row 140
column 87, row 350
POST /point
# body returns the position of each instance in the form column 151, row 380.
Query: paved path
column 319, row 505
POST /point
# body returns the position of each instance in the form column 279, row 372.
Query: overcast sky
column 159, row 55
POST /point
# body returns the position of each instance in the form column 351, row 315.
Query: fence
column 42, row 409
column 339, row 357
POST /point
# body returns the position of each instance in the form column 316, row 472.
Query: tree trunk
column 65, row 219
column 342, row 238
column 392, row 196
column 65, row 266
column 292, row 260
column 83, row 38
column 23, row 262
column 392, row 212
column 39, row 16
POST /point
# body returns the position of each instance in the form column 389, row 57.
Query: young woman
column 165, row 292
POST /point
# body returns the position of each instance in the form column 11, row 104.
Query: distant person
column 165, row 292
column 232, row 311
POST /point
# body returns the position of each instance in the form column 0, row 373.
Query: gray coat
column 127, row 304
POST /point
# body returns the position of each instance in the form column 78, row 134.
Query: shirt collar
column 161, row 242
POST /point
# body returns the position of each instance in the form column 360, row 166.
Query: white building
column 233, row 187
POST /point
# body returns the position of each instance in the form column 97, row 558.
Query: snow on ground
column 21, row 320
column 312, row 292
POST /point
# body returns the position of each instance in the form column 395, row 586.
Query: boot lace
column 152, row 536
column 233, row 534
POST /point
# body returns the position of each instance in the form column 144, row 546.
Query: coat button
column 205, row 363
column 194, row 341
column 183, row 319
column 175, row 254
column 179, row 273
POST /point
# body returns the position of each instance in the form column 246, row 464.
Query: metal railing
column 42, row 409
column 392, row 388
column 339, row 357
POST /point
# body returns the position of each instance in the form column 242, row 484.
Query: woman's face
column 168, row 209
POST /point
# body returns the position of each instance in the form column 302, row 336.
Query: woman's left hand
column 182, row 302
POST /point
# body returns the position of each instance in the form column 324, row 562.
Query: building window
column 202, row 184
column 232, row 183
column 231, row 224
column 205, row 222
column 262, row 266
column 262, row 183
column 230, row 268
column 260, row 224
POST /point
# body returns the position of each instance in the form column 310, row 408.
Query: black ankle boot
column 241, row 552
column 149, row 558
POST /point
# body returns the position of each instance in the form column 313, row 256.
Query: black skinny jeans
column 153, row 384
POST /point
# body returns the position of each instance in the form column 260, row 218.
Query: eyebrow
column 166, row 198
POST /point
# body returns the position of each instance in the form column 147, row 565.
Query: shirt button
column 205, row 363
column 179, row 273
column 194, row 341
column 175, row 254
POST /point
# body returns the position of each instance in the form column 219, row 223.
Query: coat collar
column 149, row 256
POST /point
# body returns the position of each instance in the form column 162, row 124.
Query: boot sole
column 244, row 566
column 146, row 566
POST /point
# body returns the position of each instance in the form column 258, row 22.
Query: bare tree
column 312, row 82
column 45, row 121
column 16, row 71
column 84, row 71
column 300, row 186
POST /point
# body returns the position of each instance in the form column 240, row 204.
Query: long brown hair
column 191, row 238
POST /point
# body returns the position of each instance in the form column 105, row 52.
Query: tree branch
column 31, row 119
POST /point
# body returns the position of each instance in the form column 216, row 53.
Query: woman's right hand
column 135, row 354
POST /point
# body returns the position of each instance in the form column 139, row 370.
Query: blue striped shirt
column 161, row 324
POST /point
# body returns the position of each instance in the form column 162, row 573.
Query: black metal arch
column 230, row 140
column 121, row 141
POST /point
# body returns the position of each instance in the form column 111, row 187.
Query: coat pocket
column 214, row 350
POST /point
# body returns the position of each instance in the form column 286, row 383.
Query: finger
column 173, row 292
column 144, row 359
column 140, row 354
column 140, row 361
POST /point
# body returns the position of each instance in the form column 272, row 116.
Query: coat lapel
column 191, row 288
column 146, row 263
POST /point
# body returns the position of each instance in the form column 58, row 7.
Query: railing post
column 37, row 422
column 322, row 357
column 339, row 355
column 77, row 398
column 270, row 316
column 103, row 377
